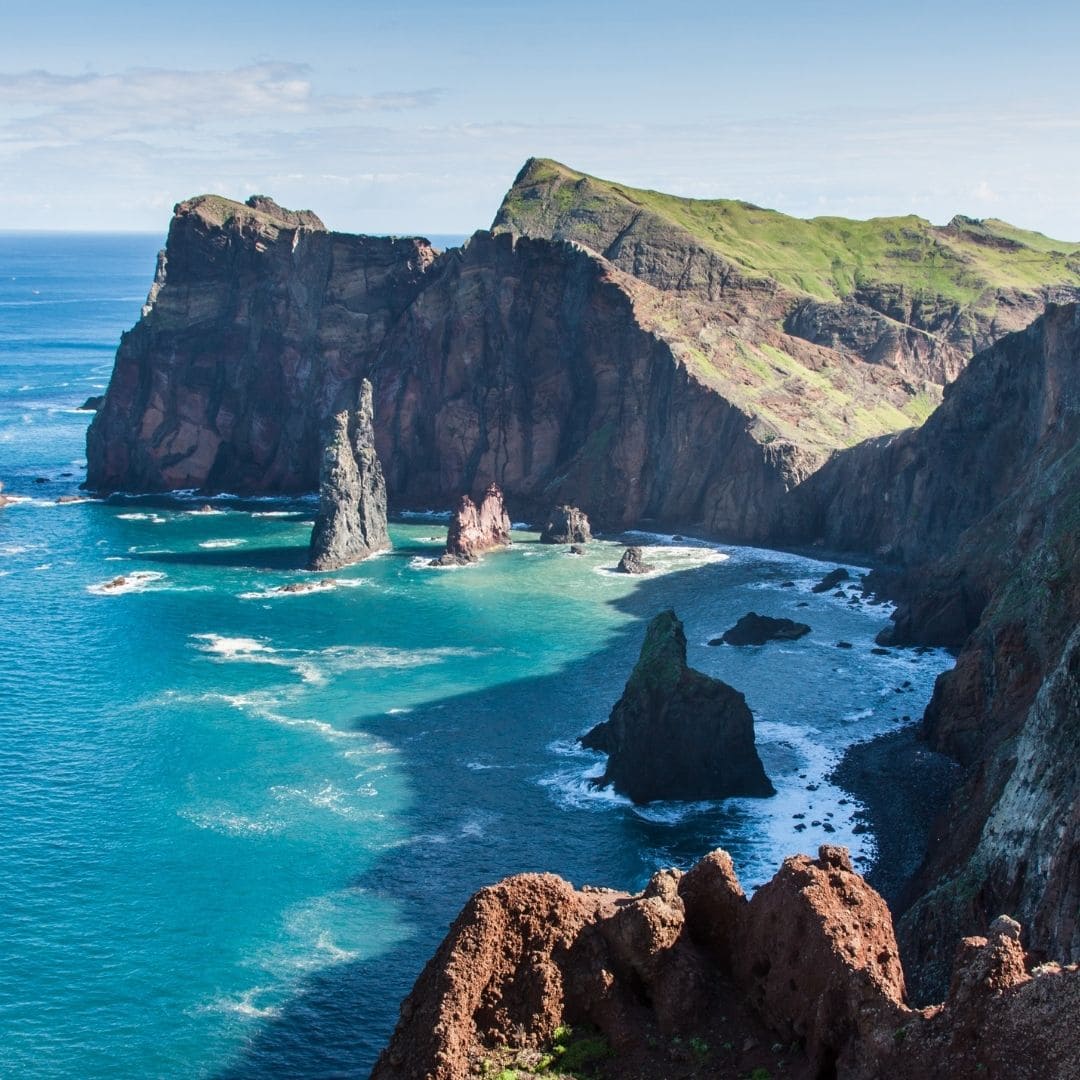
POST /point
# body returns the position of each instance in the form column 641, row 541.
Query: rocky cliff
column 563, row 372
column 981, row 508
column 258, row 329
column 676, row 733
column 689, row 978
column 351, row 522
column 894, row 291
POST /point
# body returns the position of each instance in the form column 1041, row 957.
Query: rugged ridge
column 808, row 967
column 676, row 733
column 981, row 508
column 351, row 522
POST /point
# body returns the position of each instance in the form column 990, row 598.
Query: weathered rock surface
column 476, row 529
column 566, row 525
column 755, row 629
column 676, row 733
column 633, row 562
column 804, row 981
column 981, row 507
column 351, row 522
column 93, row 403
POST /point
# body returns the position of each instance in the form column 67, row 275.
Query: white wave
column 229, row 823
column 230, row 542
column 136, row 581
column 274, row 513
column 154, row 519
column 571, row 789
column 299, row 588
column 243, row 1005
column 425, row 515
column 10, row 550
column 204, row 511
column 44, row 566
column 398, row 711
column 231, row 647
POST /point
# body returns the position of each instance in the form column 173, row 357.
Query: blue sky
column 415, row 116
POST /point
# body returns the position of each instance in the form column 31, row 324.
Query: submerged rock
column 351, row 523
column 831, row 580
column 676, row 733
column 754, row 629
column 566, row 525
column 476, row 529
column 633, row 562
column 5, row 500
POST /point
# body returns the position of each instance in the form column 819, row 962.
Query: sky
column 414, row 117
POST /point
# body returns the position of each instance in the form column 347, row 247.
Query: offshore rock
column 676, row 733
column 633, row 562
column 810, row 967
column 476, row 529
column 566, row 525
column 754, row 629
column 351, row 523
column 831, row 580
column 5, row 500
column 93, row 403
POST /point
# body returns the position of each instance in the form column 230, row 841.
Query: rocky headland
column 351, row 522
column 676, row 733
column 689, row 978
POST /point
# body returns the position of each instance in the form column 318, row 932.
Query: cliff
column 676, row 733
column 894, row 291
column 981, row 507
column 351, row 522
column 559, row 371
column 689, row 978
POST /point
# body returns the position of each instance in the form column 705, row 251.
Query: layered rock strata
column 676, row 733
column 804, row 980
column 475, row 529
column 351, row 522
column 566, row 525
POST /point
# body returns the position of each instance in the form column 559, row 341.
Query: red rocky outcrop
column 804, row 981
column 475, row 529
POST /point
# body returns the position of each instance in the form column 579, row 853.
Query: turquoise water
column 235, row 823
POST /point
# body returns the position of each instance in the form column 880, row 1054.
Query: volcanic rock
column 566, row 525
column 351, row 522
column 810, row 966
column 754, row 629
column 831, row 580
column 92, row 404
column 633, row 562
column 676, row 733
column 476, row 529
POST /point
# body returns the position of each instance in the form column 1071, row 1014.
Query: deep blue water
column 234, row 825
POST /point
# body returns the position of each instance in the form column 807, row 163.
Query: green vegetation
column 574, row 1053
column 826, row 257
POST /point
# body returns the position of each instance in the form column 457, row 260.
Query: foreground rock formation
column 351, row 523
column 476, row 529
column 633, row 562
column 689, row 978
column 676, row 733
column 566, row 525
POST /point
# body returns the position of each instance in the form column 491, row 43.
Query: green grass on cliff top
column 828, row 257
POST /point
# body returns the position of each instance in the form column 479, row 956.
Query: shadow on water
column 478, row 813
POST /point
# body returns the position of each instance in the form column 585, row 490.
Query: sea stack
column 351, row 523
column 566, row 525
column 4, row 500
column 676, row 733
column 633, row 562
column 476, row 529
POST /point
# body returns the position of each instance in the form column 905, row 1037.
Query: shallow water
column 235, row 822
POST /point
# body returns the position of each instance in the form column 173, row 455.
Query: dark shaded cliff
column 258, row 329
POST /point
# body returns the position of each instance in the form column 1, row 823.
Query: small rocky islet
column 972, row 515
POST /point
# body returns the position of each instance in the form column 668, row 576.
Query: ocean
column 235, row 823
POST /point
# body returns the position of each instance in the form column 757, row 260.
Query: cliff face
column 258, row 329
column 893, row 291
column 689, row 978
column 982, row 505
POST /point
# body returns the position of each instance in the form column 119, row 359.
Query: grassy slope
column 827, row 257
